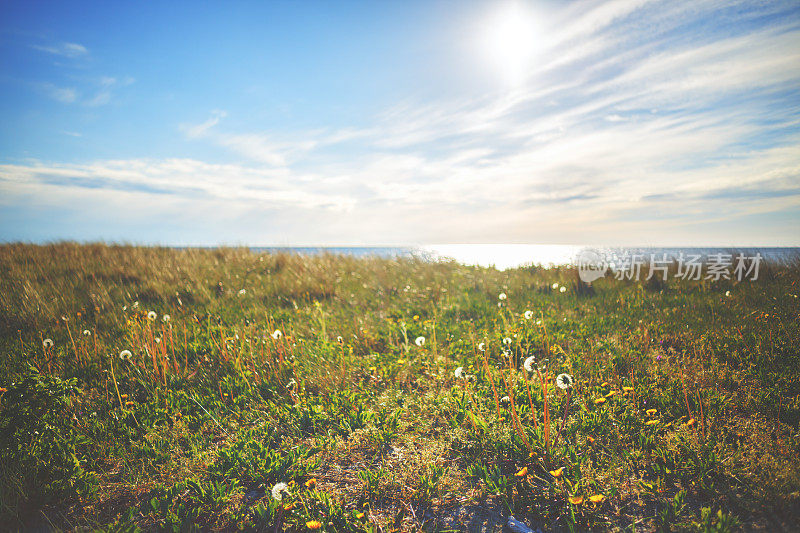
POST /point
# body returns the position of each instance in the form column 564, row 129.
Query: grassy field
column 161, row 389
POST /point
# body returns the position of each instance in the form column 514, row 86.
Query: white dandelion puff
column 277, row 334
column 158, row 340
column 47, row 343
column 482, row 346
column 339, row 339
column 135, row 304
column 292, row 384
column 420, row 341
column 242, row 292
column 502, row 296
column 166, row 318
column 555, row 285
column 125, row 355
column 528, row 315
column 529, row 362
column 563, row 289
column 279, row 489
column 564, row 381
column 505, row 399
column 459, row 373
column 507, row 341
column 87, row 333
column 727, row 293
column 152, row 315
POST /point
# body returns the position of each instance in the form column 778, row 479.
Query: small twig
column 209, row 414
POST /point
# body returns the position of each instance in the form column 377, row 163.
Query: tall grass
column 283, row 368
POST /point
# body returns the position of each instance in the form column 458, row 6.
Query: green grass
column 370, row 431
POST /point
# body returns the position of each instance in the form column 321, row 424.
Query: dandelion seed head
column 279, row 489
column 277, row 334
column 502, row 296
column 507, row 341
column 555, row 285
column 564, row 381
column 152, row 315
column 339, row 339
column 562, row 289
column 47, row 343
column 482, row 346
column 529, row 362
column 125, row 355
column 166, row 318
column 459, row 373
column 86, row 333
column 242, row 292
column 420, row 341
column 528, row 315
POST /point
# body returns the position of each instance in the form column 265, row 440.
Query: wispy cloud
column 104, row 89
column 64, row 49
column 66, row 95
column 635, row 122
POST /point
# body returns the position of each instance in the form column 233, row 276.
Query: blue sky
column 310, row 123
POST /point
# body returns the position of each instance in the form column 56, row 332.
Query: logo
column 591, row 265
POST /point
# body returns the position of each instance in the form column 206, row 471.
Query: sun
column 510, row 41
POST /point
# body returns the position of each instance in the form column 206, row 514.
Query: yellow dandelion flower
column 129, row 404
column 605, row 384
column 691, row 422
column 288, row 507
column 627, row 389
column 311, row 483
column 600, row 401
column 576, row 500
column 610, row 394
column 597, row 498
column 557, row 472
column 651, row 422
column 523, row 472
column 313, row 524
column 651, row 412
column 360, row 516
column 590, row 439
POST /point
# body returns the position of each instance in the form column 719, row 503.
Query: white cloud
column 625, row 133
column 66, row 95
column 64, row 49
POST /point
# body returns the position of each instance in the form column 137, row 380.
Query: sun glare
column 510, row 41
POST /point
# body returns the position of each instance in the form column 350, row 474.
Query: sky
column 642, row 123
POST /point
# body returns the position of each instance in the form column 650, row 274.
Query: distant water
column 503, row 256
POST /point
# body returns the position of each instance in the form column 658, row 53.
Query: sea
column 505, row 256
